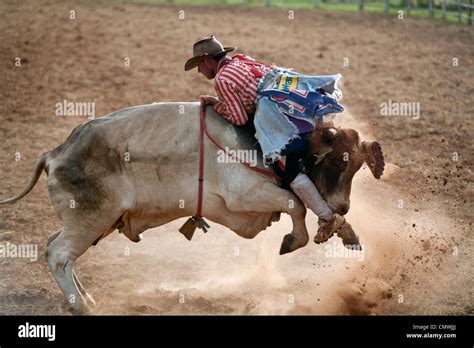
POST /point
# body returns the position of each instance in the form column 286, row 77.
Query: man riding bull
column 286, row 107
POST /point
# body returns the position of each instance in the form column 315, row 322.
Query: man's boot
column 329, row 223
column 327, row 228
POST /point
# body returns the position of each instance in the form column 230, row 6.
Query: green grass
column 369, row 6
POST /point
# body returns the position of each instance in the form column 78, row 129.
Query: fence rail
column 459, row 11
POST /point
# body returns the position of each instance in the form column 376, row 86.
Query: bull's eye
column 337, row 163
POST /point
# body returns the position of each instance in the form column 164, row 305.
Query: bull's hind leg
column 269, row 198
column 88, row 298
column 63, row 250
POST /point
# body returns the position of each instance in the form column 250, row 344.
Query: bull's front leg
column 269, row 198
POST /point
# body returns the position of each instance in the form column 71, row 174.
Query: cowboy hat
column 207, row 47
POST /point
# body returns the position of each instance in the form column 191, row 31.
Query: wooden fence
column 459, row 11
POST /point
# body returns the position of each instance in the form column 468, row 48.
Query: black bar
column 256, row 330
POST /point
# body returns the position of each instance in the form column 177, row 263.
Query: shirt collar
column 222, row 62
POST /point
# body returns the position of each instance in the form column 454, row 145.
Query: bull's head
column 334, row 156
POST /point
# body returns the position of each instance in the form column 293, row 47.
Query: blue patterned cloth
column 284, row 96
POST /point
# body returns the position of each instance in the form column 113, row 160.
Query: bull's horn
column 329, row 134
column 320, row 157
column 332, row 132
column 373, row 156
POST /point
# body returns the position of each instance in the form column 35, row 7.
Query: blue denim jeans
column 273, row 128
column 294, row 152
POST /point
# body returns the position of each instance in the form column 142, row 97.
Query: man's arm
column 208, row 99
column 229, row 104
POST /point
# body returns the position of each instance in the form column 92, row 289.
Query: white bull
column 137, row 168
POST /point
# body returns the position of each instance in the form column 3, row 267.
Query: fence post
column 469, row 19
column 409, row 6
column 459, row 10
column 430, row 8
column 361, row 5
column 268, row 3
column 387, row 6
column 443, row 2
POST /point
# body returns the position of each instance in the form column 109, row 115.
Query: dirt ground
column 415, row 223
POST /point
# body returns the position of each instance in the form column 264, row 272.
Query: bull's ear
column 373, row 156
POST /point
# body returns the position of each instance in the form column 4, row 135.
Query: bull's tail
column 39, row 166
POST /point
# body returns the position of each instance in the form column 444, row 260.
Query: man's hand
column 208, row 100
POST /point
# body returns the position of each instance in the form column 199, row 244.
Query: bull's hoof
column 83, row 309
column 287, row 246
column 291, row 243
column 349, row 238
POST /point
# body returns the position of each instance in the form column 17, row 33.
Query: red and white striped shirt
column 236, row 86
